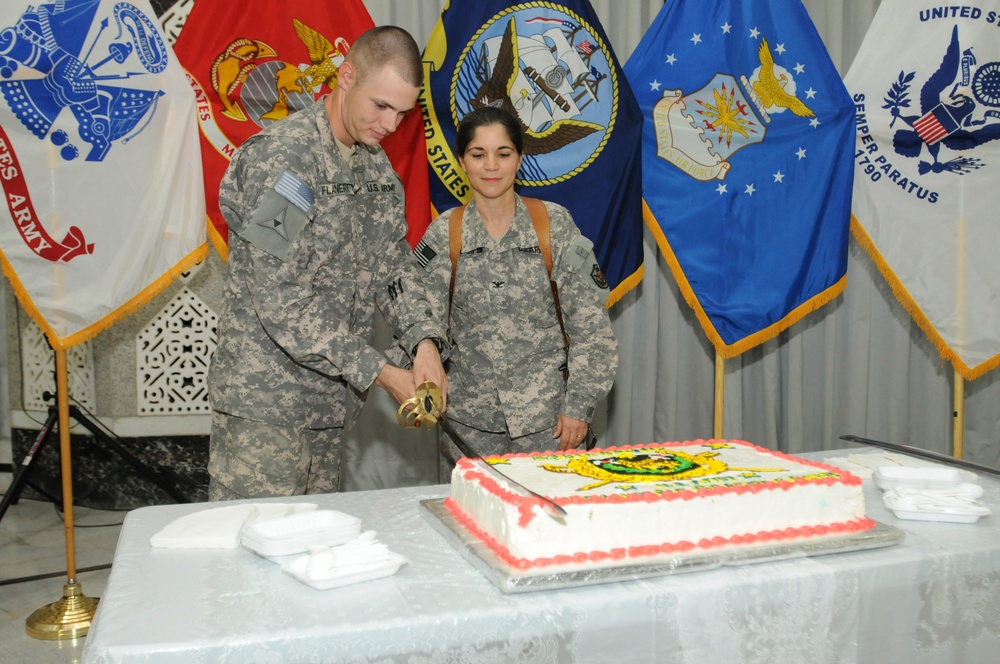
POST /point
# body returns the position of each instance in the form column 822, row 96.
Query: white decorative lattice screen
column 38, row 371
column 172, row 356
column 173, row 17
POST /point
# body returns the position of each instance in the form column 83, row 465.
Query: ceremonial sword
column 549, row 505
column 425, row 410
column 926, row 454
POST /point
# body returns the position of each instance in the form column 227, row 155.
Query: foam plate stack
column 299, row 533
column 322, row 549
column 363, row 559
column 931, row 494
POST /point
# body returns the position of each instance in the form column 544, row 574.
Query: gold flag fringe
column 910, row 305
column 725, row 350
column 219, row 242
column 625, row 286
column 92, row 330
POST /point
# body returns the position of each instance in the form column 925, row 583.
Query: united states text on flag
column 747, row 167
column 551, row 64
column 99, row 163
column 926, row 89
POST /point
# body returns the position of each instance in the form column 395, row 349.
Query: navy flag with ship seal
column 550, row 64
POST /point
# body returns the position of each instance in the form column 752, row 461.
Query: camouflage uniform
column 507, row 349
column 315, row 242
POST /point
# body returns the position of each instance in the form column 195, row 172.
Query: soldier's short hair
column 485, row 116
column 387, row 45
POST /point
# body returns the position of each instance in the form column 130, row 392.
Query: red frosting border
column 525, row 504
column 666, row 548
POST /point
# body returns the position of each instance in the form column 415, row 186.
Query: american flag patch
column 295, row 191
column 424, row 254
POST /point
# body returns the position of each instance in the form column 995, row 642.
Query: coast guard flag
column 98, row 162
column 747, row 169
column 550, row 64
column 926, row 88
column 253, row 63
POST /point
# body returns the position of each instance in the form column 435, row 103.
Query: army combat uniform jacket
column 505, row 367
column 314, row 243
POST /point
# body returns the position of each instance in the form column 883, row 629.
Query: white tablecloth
column 933, row 598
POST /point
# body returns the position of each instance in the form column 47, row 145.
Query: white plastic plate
column 295, row 568
column 934, row 508
column 297, row 524
column 300, row 532
column 895, row 477
column 951, row 516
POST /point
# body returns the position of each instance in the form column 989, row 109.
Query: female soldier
column 530, row 360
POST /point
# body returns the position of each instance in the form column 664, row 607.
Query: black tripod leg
column 159, row 478
column 16, row 484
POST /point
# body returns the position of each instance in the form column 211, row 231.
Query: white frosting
column 730, row 489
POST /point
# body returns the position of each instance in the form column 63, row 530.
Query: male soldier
column 316, row 241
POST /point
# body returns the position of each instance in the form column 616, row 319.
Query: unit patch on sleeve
column 598, row 277
column 280, row 217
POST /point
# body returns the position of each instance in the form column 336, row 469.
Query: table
column 933, row 598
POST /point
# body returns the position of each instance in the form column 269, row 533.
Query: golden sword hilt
column 425, row 407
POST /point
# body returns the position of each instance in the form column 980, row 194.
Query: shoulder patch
column 275, row 224
column 598, row 277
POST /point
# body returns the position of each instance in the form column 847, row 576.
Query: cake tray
column 510, row 580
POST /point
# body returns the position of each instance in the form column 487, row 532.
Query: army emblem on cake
column 648, row 464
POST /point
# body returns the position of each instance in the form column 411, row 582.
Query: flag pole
column 71, row 616
column 958, row 414
column 958, row 384
column 720, row 385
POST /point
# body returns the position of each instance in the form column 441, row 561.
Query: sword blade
column 551, row 508
column 926, row 454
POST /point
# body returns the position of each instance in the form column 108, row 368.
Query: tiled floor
column 33, row 544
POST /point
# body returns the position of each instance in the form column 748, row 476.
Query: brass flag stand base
column 69, row 618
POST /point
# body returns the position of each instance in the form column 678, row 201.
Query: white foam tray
column 296, row 569
column 949, row 511
column 888, row 478
column 298, row 533
column 948, row 517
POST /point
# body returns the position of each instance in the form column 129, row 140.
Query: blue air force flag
column 99, row 162
column 926, row 89
column 747, row 169
column 551, row 64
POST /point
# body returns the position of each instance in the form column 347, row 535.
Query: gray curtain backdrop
column 859, row 365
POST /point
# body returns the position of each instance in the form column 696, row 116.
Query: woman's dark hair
column 484, row 117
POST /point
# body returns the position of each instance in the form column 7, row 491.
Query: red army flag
column 253, row 63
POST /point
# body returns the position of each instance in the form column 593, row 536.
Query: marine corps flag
column 253, row 63
column 98, row 162
column 747, row 173
column 926, row 88
column 551, row 64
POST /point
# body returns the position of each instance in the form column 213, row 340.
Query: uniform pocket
column 530, row 293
